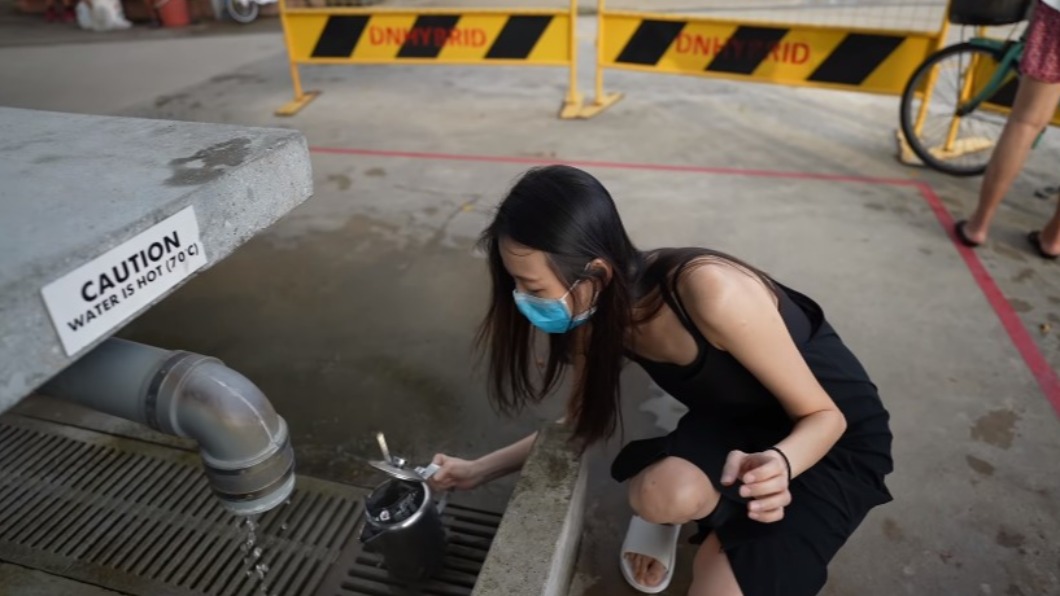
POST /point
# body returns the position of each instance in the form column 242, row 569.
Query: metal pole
column 573, row 91
column 572, row 105
column 599, row 99
column 296, row 80
column 965, row 95
column 929, row 88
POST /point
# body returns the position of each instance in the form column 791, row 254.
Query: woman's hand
column 455, row 474
column 765, row 482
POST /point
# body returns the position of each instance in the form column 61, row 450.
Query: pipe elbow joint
column 244, row 444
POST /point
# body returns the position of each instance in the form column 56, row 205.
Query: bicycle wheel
column 243, row 12
column 944, row 142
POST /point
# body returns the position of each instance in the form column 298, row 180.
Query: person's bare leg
column 711, row 572
column 670, row 491
column 1050, row 236
column 1034, row 107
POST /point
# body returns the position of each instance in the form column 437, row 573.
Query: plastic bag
column 101, row 15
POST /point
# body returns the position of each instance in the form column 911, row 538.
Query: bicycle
column 987, row 72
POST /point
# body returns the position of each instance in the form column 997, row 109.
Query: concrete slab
column 356, row 313
column 78, row 186
column 536, row 545
column 23, row 581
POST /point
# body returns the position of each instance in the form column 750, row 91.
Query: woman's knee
column 672, row 491
column 1030, row 124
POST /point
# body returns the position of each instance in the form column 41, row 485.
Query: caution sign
column 97, row 297
column 332, row 36
column 801, row 55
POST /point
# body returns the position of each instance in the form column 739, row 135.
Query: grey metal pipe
column 244, row 443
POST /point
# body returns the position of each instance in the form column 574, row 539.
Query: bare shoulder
column 719, row 293
column 714, row 280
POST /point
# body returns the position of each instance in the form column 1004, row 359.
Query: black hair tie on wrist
column 787, row 462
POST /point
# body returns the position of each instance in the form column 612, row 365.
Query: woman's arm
column 463, row 474
column 737, row 313
column 504, row 461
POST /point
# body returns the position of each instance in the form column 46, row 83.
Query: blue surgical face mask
column 551, row 315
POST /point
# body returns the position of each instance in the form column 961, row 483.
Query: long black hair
column 569, row 215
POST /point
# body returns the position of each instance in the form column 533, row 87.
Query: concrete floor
column 356, row 312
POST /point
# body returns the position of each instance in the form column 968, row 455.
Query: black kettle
column 403, row 523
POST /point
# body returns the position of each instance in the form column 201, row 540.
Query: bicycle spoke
column 954, row 144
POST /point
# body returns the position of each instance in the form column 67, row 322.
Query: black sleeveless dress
column 730, row 409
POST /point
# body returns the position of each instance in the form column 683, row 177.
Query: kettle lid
column 414, row 475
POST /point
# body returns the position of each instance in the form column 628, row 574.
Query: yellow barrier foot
column 963, row 147
column 294, row 106
column 572, row 108
column 600, row 104
column 960, row 148
column 905, row 154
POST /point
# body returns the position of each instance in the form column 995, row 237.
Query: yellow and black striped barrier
column 528, row 37
column 1002, row 100
column 798, row 55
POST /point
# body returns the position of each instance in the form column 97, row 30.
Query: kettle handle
column 426, row 472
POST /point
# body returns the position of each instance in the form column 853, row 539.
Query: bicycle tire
column 907, row 115
column 241, row 15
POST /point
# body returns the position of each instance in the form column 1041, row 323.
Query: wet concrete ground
column 356, row 312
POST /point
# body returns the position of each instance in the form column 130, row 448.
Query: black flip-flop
column 958, row 229
column 1047, row 192
column 1035, row 240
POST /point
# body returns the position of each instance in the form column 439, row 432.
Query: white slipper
column 651, row 540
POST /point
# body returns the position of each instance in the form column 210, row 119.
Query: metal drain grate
column 471, row 532
column 140, row 518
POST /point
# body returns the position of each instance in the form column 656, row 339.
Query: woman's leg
column 1050, row 236
column 1034, row 107
column 711, row 573
column 670, row 491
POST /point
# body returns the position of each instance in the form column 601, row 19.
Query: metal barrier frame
column 603, row 100
column 573, row 100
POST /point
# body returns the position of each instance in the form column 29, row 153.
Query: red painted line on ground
column 1010, row 320
column 615, row 165
column 1039, row 367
